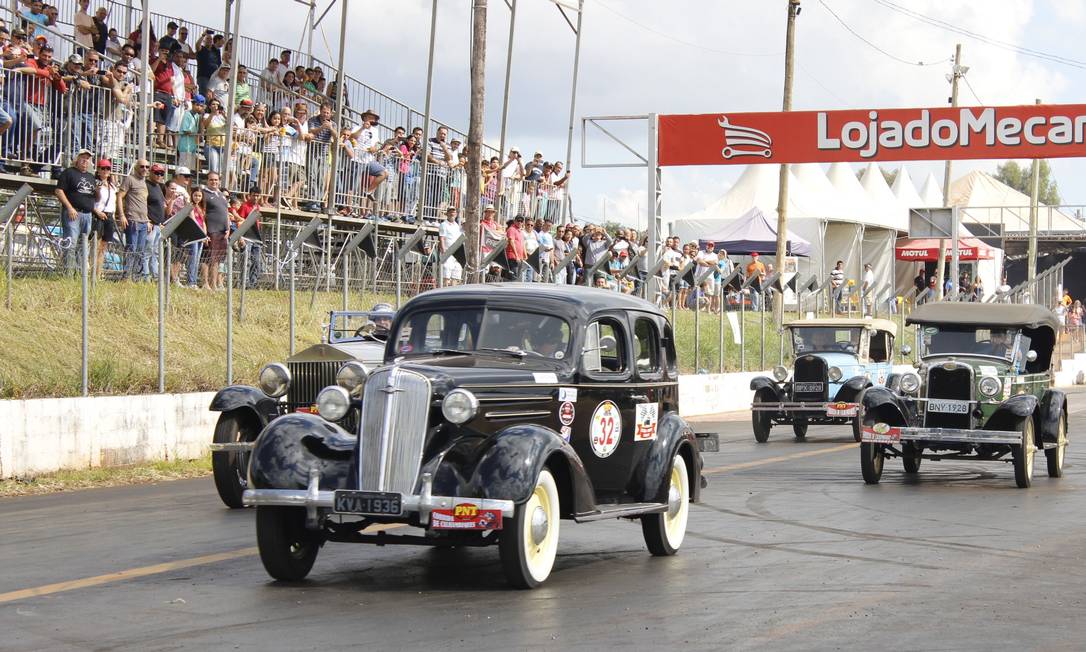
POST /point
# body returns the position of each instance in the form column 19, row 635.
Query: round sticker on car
column 566, row 413
column 606, row 429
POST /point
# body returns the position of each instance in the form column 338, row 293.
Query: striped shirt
column 837, row 278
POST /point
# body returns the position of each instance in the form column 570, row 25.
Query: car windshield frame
column 856, row 333
column 342, row 322
column 957, row 346
column 512, row 333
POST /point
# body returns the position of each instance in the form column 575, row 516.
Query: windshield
column 819, row 339
column 346, row 326
column 480, row 329
column 968, row 340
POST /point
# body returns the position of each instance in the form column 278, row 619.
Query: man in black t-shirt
column 76, row 191
column 156, row 215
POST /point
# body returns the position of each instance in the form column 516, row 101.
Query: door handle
column 640, row 397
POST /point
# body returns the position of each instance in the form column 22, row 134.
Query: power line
column 1004, row 45
column 970, row 86
column 872, row 45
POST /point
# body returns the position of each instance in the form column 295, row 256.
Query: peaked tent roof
column 851, row 196
column 757, row 187
column 884, row 206
column 753, row 232
column 820, row 192
column 905, row 192
column 931, row 192
column 990, row 201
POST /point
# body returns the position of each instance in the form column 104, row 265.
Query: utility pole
column 782, row 197
column 956, row 73
column 1034, row 198
column 420, row 205
column 567, row 212
column 508, row 73
column 475, row 136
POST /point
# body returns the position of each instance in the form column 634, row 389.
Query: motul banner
column 993, row 132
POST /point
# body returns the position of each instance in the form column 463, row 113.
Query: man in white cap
column 76, row 191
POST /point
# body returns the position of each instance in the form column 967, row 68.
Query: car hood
column 979, row 363
column 369, row 353
column 473, row 371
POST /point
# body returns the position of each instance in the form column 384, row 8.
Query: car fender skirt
column 509, row 464
column 851, row 389
column 765, row 383
column 651, row 479
column 293, row 444
column 238, row 397
column 1009, row 414
column 880, row 405
column 1053, row 403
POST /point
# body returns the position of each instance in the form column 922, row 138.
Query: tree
column 1019, row 178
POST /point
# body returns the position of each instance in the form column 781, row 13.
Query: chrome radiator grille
column 395, row 413
column 308, row 379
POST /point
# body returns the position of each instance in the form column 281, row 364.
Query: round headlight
column 910, row 382
column 835, row 374
column 780, row 373
column 274, row 379
column 989, row 386
column 333, row 403
column 459, row 406
column 352, row 377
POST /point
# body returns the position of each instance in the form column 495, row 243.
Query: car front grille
column 954, row 384
column 395, row 416
column 810, row 369
column 307, row 379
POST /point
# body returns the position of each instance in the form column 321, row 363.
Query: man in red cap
column 755, row 268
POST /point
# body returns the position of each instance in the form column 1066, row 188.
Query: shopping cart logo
column 744, row 141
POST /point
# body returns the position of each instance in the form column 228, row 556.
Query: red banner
column 994, row 132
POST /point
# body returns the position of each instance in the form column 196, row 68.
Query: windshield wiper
column 444, row 352
column 515, row 352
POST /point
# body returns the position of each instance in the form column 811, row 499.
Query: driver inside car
column 381, row 316
column 822, row 340
column 546, row 339
column 1000, row 344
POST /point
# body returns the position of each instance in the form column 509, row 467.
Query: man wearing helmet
column 381, row 315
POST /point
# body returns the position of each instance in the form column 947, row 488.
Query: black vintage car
column 283, row 388
column 501, row 410
column 982, row 391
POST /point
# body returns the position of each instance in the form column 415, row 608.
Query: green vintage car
column 982, row 391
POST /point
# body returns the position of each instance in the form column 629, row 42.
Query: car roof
column 954, row 313
column 573, row 300
column 846, row 322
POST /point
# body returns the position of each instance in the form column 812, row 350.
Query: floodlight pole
column 565, row 214
column 508, row 73
column 782, row 196
column 652, row 170
column 421, row 205
column 1034, row 198
column 145, row 72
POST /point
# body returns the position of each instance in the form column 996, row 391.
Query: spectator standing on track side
column 514, row 249
column 437, row 175
column 196, row 266
column 101, row 31
column 169, row 41
column 449, row 231
column 35, row 14
column 188, row 133
column 83, row 28
column 183, row 44
column 594, row 243
column 177, row 197
column 756, row 268
column 76, row 191
column 208, row 59
column 242, row 91
column 252, row 239
column 156, row 215
column 921, row 285
column 214, row 125
column 837, row 285
column 115, row 110
column 546, row 250
column 45, row 81
column 132, row 217
column 867, row 289
column 369, row 144
column 319, row 134
column 218, row 225
column 219, row 86
column 105, row 206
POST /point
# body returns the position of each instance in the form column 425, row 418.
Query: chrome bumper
column 953, row 435
column 829, row 408
column 314, row 499
column 233, row 447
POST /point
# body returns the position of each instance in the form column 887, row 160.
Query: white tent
column 990, row 207
column 819, row 191
column 883, row 206
column 931, row 192
column 850, row 194
column 905, row 192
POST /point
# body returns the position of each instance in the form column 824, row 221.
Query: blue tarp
column 753, row 232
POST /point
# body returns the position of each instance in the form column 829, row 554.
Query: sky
column 693, row 56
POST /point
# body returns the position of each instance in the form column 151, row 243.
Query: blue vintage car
column 835, row 360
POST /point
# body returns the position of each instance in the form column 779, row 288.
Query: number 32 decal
column 606, row 430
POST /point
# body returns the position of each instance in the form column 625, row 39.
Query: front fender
column 1009, row 414
column 652, row 477
column 852, row 388
column 1053, row 406
column 880, row 405
column 510, row 462
column 766, row 386
column 237, row 397
column 893, row 382
column 292, row 444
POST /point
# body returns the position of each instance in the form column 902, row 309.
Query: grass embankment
column 106, row 477
column 40, row 336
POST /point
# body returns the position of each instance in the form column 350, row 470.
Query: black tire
column 1054, row 456
column 910, row 457
column 287, row 548
column 526, row 558
column 872, row 457
column 857, row 434
column 800, row 429
column 664, row 533
column 761, row 423
column 231, row 469
column 1023, row 456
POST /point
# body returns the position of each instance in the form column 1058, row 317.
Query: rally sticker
column 566, row 413
column 545, row 378
column 566, row 432
column 567, row 394
column 466, row 516
column 606, row 429
column 648, row 414
column 880, row 433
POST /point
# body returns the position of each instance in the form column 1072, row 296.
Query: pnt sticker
column 466, row 516
column 566, row 432
column 606, row 429
column 545, row 378
column 567, row 394
column 647, row 416
column 566, row 414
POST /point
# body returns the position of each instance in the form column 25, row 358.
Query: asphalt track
column 789, row 550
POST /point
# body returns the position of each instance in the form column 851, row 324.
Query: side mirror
column 906, row 349
column 1031, row 356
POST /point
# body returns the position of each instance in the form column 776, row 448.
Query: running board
column 625, row 510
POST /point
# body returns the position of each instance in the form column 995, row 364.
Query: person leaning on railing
column 46, row 81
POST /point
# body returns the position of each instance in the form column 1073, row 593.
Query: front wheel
column 800, row 429
column 1023, row 456
column 529, row 541
column 910, row 456
column 761, row 423
column 1054, row 456
column 871, row 459
column 287, row 548
column 857, row 429
column 664, row 533
column 231, row 468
